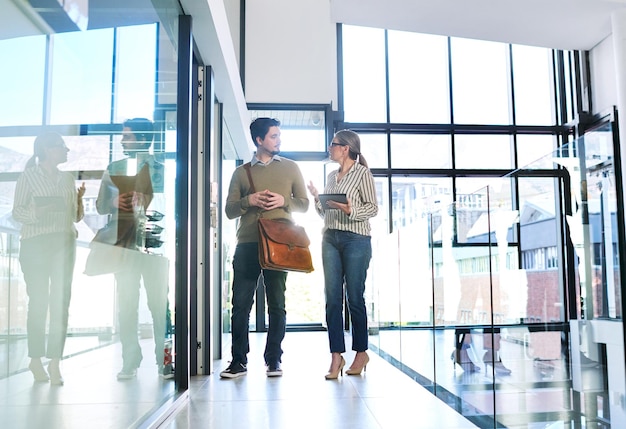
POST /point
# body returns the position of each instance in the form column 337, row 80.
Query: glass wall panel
column 602, row 203
column 412, row 199
column 539, row 241
column 421, row 151
column 480, row 82
column 22, row 80
column 98, row 335
column 364, row 82
column 418, row 78
column 490, row 309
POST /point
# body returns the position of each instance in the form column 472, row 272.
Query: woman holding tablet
column 47, row 204
column 346, row 247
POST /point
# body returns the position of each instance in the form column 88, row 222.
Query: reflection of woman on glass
column 47, row 204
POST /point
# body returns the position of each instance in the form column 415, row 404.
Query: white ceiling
column 557, row 24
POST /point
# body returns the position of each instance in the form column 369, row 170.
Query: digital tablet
column 324, row 198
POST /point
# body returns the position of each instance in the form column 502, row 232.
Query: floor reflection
column 91, row 395
column 537, row 391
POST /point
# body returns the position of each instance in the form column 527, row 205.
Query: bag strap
column 246, row 166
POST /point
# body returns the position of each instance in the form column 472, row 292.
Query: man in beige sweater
column 279, row 191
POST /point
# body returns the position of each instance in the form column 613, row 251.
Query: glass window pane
column 474, row 197
column 364, row 74
column 21, row 80
column 14, row 153
column 420, row 151
column 532, row 77
column 535, row 151
column 471, row 149
column 81, row 87
column 374, row 150
column 480, row 82
column 135, row 72
column 300, row 130
column 418, row 78
column 305, row 292
column 86, row 153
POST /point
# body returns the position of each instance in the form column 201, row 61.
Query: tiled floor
column 382, row 397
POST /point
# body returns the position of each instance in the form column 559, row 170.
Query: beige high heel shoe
column 36, row 367
column 354, row 370
column 333, row 375
column 55, row 372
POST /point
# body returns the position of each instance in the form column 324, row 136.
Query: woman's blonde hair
column 43, row 142
column 351, row 139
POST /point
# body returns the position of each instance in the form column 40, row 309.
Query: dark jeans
column 346, row 257
column 47, row 262
column 245, row 279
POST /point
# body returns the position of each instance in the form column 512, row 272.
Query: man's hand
column 124, row 202
column 266, row 200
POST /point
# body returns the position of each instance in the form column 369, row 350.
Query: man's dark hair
column 261, row 126
column 142, row 128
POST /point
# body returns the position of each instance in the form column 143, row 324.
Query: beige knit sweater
column 281, row 176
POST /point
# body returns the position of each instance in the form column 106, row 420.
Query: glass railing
column 473, row 298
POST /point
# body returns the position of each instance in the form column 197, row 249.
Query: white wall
column 602, row 76
column 232, row 13
column 290, row 52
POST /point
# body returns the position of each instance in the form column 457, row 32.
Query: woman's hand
column 344, row 207
column 81, row 191
column 313, row 191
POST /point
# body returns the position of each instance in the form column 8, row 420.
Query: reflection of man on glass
column 47, row 204
column 129, row 186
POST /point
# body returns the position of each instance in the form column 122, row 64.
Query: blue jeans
column 346, row 257
column 246, row 271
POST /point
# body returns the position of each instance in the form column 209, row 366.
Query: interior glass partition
column 116, row 356
column 505, row 300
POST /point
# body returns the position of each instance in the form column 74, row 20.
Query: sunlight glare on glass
column 364, row 74
column 81, row 64
column 302, row 140
column 480, row 82
column 22, row 80
column 137, row 74
column 418, row 82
